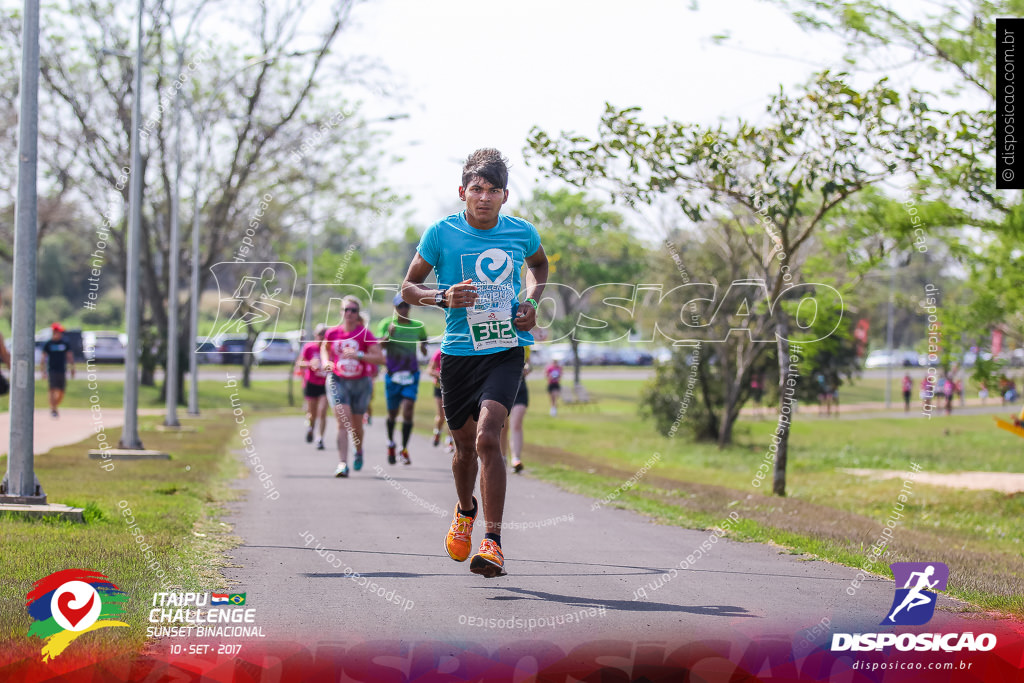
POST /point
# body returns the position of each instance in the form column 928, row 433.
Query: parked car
column 971, row 357
column 105, row 346
column 208, row 351
column 880, row 358
column 636, row 357
column 232, row 348
column 269, row 349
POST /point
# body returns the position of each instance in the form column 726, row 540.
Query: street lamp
column 130, row 432
column 20, row 485
column 171, row 377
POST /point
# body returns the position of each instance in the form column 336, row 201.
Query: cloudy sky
column 482, row 74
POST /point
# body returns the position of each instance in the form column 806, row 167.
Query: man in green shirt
column 400, row 335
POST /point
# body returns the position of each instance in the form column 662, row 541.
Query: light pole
column 193, row 365
column 307, row 315
column 171, row 376
column 889, row 334
column 20, row 484
column 130, row 432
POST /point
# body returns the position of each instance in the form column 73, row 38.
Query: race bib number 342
column 490, row 334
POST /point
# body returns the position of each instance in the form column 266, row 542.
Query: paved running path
column 391, row 532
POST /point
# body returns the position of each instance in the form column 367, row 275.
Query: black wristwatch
column 439, row 299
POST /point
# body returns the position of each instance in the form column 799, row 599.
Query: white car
column 104, row 347
column 880, row 358
column 269, row 349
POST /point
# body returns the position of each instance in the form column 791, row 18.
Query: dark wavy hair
column 486, row 163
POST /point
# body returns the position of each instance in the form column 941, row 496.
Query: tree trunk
column 575, row 345
column 779, row 480
column 735, row 393
column 147, row 360
column 727, row 420
column 247, row 357
column 710, row 429
column 291, row 382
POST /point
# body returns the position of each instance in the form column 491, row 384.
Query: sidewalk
column 73, row 425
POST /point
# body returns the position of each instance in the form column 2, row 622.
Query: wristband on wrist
column 360, row 355
column 532, row 302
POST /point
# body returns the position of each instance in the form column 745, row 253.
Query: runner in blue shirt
column 478, row 255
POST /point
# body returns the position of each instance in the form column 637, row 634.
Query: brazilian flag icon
column 237, row 598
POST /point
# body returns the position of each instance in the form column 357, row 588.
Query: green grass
column 175, row 503
column 592, row 450
column 827, row 513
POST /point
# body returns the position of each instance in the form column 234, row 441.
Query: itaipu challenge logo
column 69, row 603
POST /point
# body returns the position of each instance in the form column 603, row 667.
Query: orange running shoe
column 460, row 535
column 488, row 561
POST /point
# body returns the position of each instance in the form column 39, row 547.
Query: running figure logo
column 259, row 293
column 914, row 603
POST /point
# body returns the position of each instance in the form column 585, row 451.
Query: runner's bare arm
column 536, row 278
column 460, row 295
column 374, row 354
column 325, row 358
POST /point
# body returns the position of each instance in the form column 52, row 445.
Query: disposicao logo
column 68, row 603
column 914, row 605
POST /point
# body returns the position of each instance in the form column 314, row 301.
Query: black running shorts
column 523, row 397
column 467, row 381
column 311, row 390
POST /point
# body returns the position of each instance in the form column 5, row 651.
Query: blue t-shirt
column 491, row 258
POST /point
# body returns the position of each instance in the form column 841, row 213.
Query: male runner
column 347, row 353
column 57, row 355
column 399, row 336
column 477, row 255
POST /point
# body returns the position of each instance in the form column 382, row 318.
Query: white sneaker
column 554, row 411
column 342, row 470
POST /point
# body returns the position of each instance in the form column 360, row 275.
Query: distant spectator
column 56, row 357
column 908, row 386
column 1010, row 395
column 757, row 390
column 5, row 357
column 554, row 375
column 927, row 391
column 948, row 390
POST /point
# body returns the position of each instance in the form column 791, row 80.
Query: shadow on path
column 620, row 605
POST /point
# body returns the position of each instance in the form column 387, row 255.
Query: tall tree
column 259, row 120
column 775, row 185
column 593, row 256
